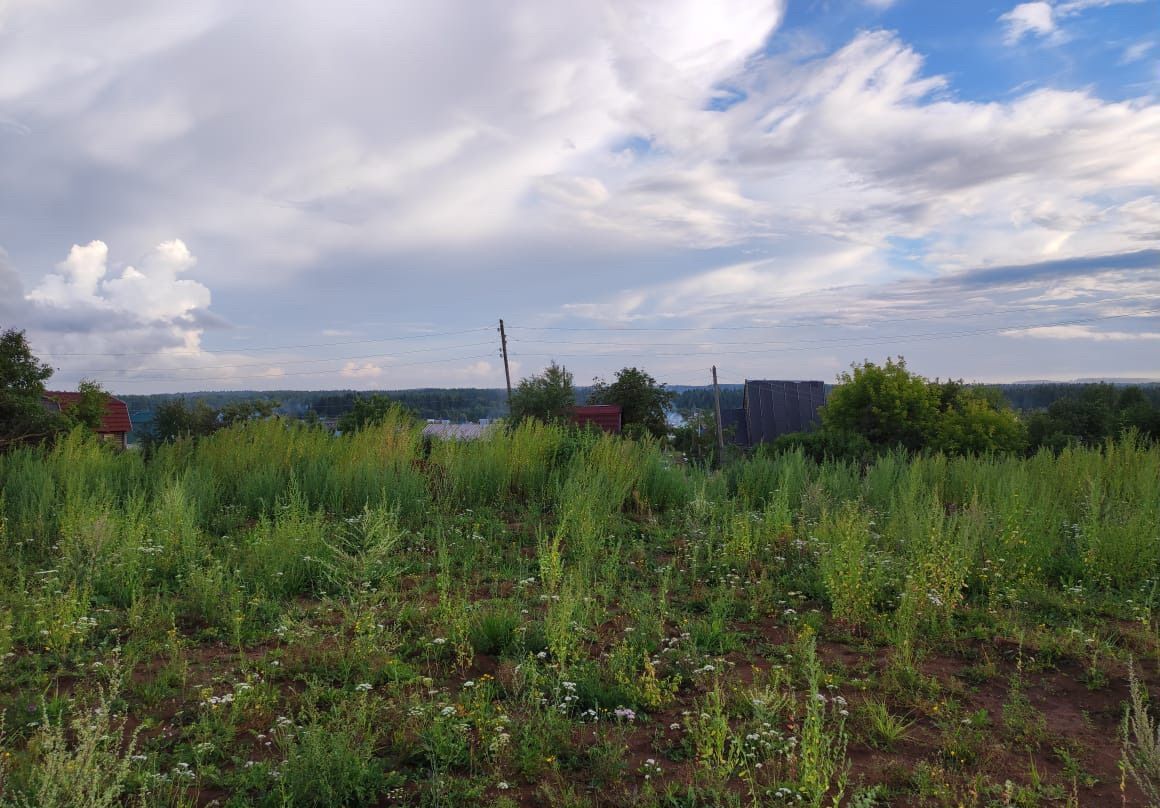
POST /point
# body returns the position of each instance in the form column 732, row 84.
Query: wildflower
column 364, row 687
column 502, row 785
column 624, row 713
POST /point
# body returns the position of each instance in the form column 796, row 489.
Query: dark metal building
column 770, row 408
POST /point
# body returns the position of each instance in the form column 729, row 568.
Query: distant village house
column 115, row 423
column 608, row 417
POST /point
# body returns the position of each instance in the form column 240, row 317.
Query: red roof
column 604, row 416
column 116, row 417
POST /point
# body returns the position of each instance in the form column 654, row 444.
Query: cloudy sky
column 241, row 194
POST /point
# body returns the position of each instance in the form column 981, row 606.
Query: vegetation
column 644, row 402
column 547, row 397
column 369, row 411
column 179, row 418
column 272, row 615
column 24, row 418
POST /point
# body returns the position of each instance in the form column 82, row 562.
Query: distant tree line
column 459, row 405
column 181, row 418
column 700, row 399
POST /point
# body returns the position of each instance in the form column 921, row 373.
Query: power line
column 297, row 347
column 284, row 362
column 885, row 338
column 823, row 323
column 280, row 376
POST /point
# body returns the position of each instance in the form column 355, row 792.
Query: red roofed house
column 603, row 416
column 115, row 423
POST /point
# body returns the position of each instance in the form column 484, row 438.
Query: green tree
column 548, row 396
column 973, row 420
column 696, row 438
column 878, row 407
column 370, row 411
column 643, row 401
column 89, row 411
column 247, row 410
column 23, row 416
column 178, row 418
column 886, row 404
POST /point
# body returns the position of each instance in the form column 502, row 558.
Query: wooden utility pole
column 506, row 371
column 717, row 407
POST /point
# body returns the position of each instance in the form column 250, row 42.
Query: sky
column 234, row 194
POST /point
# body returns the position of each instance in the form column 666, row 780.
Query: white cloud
column 85, row 319
column 1028, row 18
column 153, row 293
column 1042, row 18
column 1136, row 51
column 363, row 370
column 1084, row 332
column 651, row 157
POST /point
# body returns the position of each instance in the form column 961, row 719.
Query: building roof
column 456, row 431
column 771, row 408
column 605, row 416
column 114, row 420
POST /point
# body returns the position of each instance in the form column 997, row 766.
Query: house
column 115, row 422
column 449, row 431
column 771, row 408
column 608, row 417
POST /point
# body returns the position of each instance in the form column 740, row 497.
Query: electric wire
column 299, row 347
column 285, row 361
column 886, row 317
column 828, row 341
column 155, row 379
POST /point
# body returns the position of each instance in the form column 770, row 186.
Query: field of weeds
column 274, row 616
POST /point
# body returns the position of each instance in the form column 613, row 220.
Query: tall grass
column 264, row 510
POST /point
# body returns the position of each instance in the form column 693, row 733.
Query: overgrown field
column 274, row 616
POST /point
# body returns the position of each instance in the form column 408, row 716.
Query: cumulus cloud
column 85, row 315
column 153, row 293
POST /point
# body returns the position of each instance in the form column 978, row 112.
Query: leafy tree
column 880, row 407
column 547, row 397
column 1135, row 411
column 90, row 410
column 23, row 416
column 696, row 438
column 973, row 420
column 178, row 418
column 886, row 404
column 1092, row 413
column 371, row 411
column 644, row 402
column 252, row 409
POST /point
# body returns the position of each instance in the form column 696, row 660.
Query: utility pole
column 506, row 371
column 717, row 407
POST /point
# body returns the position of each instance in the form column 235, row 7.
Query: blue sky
column 232, row 195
